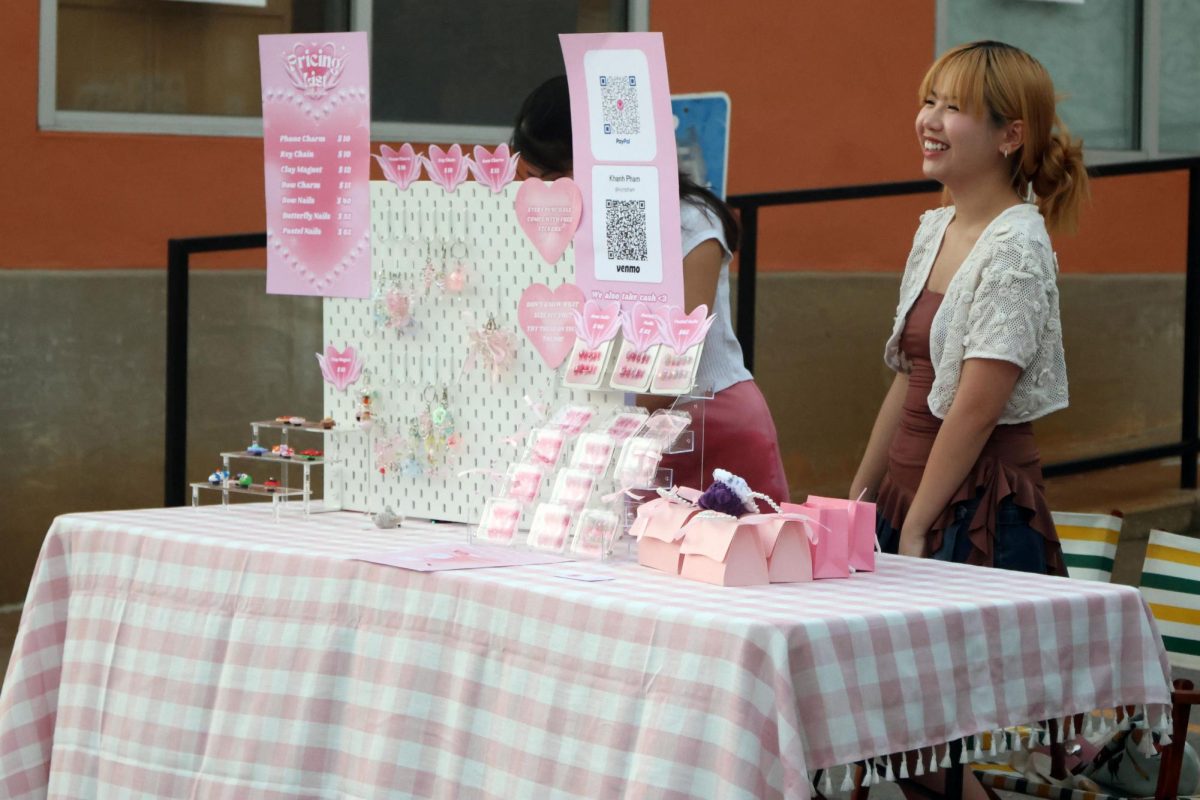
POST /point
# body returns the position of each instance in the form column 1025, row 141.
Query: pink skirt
column 734, row 431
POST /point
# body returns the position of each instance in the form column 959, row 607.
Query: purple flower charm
column 728, row 494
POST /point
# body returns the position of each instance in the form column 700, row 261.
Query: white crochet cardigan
column 1001, row 304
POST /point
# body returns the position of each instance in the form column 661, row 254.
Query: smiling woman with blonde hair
column 977, row 341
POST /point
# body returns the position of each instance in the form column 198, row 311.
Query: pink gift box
column 659, row 530
column 861, row 528
column 831, row 551
column 725, row 551
column 786, row 541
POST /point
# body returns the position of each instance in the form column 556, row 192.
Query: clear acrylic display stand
column 282, row 494
column 610, row 493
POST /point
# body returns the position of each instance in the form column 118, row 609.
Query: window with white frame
column 1126, row 69
column 440, row 70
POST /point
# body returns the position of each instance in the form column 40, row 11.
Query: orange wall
column 822, row 95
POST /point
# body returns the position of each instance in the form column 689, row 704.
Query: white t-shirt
column 721, row 364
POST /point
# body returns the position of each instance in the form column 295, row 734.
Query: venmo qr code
column 619, row 104
column 625, row 230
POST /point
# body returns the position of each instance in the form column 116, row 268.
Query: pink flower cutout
column 598, row 323
column 401, row 167
column 494, row 169
column 446, row 168
column 684, row 331
column 340, row 367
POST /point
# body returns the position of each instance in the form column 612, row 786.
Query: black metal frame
column 179, row 253
column 1187, row 447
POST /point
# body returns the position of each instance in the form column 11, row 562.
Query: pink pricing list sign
column 628, row 247
column 316, row 147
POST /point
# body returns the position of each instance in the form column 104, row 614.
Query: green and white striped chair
column 1171, row 586
column 1089, row 543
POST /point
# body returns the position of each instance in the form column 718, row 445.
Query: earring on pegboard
column 436, row 428
column 455, row 281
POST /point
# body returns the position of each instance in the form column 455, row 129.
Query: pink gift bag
column 725, row 551
column 863, row 542
column 831, row 551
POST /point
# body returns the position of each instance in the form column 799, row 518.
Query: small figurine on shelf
column 296, row 421
column 218, row 477
column 283, row 451
column 310, row 454
column 244, row 480
column 364, row 414
column 255, row 449
column 270, row 484
column 328, row 423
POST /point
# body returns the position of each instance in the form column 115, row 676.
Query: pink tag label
column 640, row 328
column 494, row 169
column 549, row 213
column 446, row 168
column 340, row 367
column 401, row 167
column 598, row 323
column 547, row 318
column 684, row 331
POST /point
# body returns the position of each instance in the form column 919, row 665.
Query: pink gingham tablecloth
column 218, row 654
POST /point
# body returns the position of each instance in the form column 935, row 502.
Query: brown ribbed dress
column 998, row 516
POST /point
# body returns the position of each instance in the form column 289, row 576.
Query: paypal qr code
column 625, row 230
column 619, row 104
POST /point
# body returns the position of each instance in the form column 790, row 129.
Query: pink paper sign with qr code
column 628, row 246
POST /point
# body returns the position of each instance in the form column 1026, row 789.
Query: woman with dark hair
column 738, row 433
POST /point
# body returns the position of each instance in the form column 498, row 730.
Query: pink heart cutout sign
column 598, row 323
column 684, row 331
column 549, row 213
column 401, row 167
column 547, row 318
column 641, row 328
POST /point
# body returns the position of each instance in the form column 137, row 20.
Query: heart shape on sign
column 641, row 328
column 547, row 318
column 446, row 168
column 401, row 167
column 319, row 262
column 598, row 323
column 684, row 331
column 494, row 170
column 340, row 367
column 549, row 213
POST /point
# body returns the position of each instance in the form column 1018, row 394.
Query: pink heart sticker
column 401, row 167
column 446, row 168
column 494, row 170
column 640, row 328
column 340, row 367
column 684, row 331
column 547, row 319
column 549, row 213
column 598, row 323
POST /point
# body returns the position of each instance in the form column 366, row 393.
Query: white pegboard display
column 501, row 263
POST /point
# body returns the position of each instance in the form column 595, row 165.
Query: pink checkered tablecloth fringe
column 218, row 654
